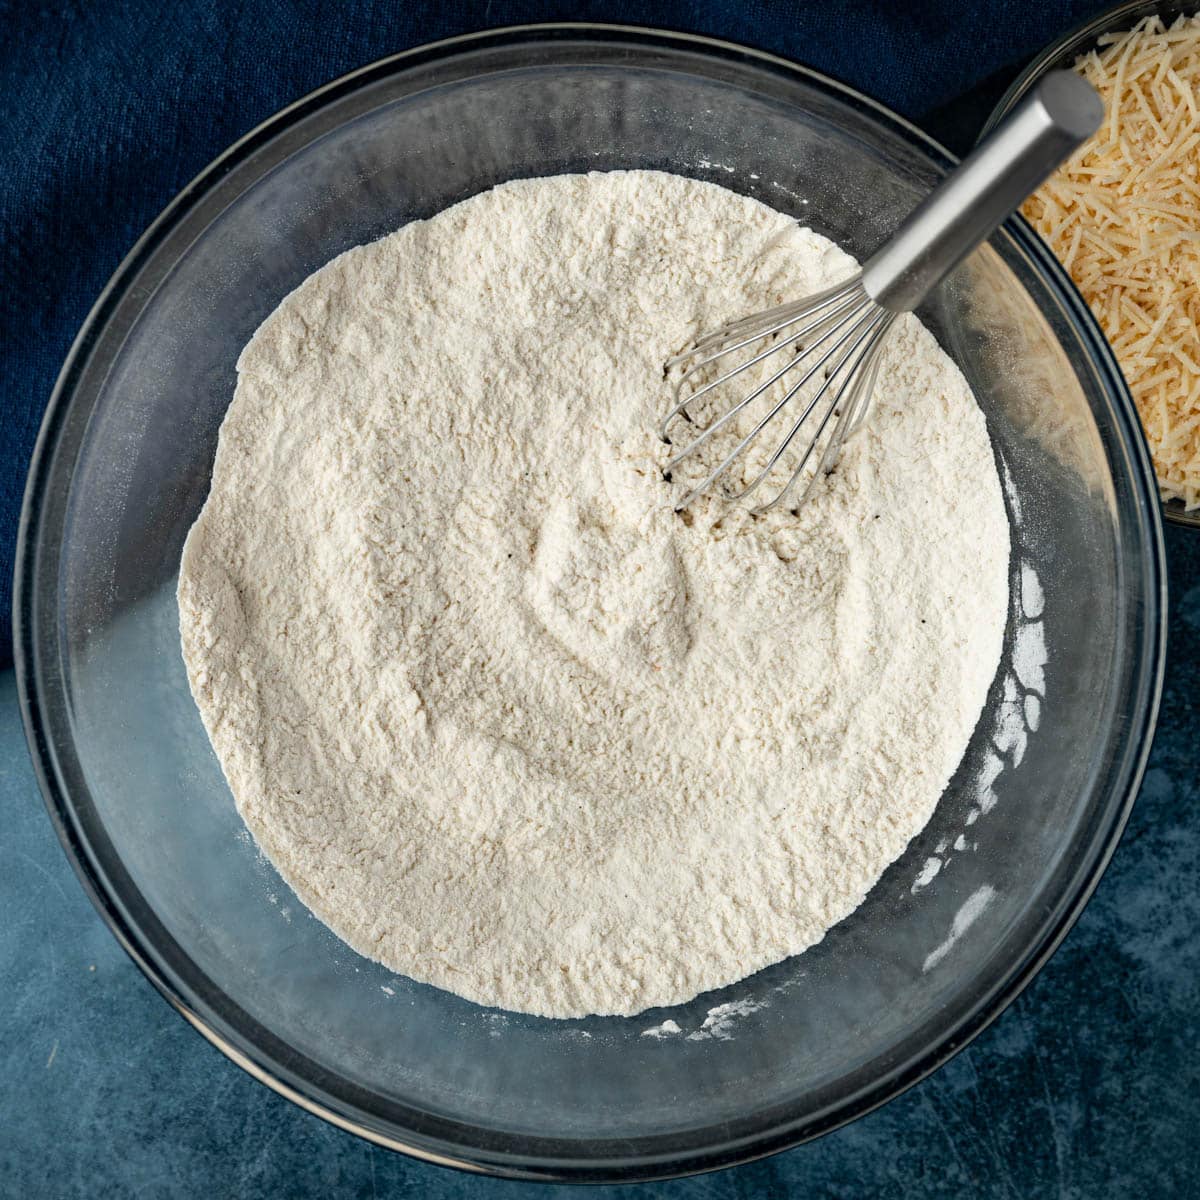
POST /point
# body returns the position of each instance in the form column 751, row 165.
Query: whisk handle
column 1061, row 112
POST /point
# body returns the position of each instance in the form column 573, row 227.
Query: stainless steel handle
column 1056, row 116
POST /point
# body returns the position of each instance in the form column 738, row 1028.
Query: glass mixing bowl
column 953, row 930
column 1062, row 55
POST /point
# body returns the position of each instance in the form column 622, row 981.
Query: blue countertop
column 1089, row 1085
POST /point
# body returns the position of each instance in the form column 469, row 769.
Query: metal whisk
column 839, row 332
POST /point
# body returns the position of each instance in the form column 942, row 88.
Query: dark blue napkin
column 108, row 108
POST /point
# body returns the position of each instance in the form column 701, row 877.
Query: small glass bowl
column 1062, row 54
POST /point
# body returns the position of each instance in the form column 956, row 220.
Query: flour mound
column 502, row 719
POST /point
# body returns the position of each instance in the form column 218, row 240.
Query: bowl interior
column 954, row 925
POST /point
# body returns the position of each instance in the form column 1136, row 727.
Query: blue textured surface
column 1088, row 1086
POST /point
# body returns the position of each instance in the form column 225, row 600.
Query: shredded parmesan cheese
column 1123, row 216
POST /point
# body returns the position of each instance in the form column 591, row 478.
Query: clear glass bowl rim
column 1073, row 43
column 444, row 1141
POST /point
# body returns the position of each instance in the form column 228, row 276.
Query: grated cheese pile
column 1123, row 215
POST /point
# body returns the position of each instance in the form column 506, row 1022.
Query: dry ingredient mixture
column 1123, row 215
column 504, row 720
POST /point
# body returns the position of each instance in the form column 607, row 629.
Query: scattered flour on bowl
column 722, row 1020
column 668, row 1028
column 501, row 718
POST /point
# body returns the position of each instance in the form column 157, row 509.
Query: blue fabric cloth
column 108, row 108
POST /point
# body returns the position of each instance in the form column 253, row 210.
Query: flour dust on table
column 503, row 719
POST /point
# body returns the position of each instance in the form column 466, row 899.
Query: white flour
column 501, row 718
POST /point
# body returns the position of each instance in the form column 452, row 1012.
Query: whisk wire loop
column 768, row 331
column 860, row 320
column 851, row 314
column 863, row 333
column 854, row 402
column 761, row 324
column 850, row 320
